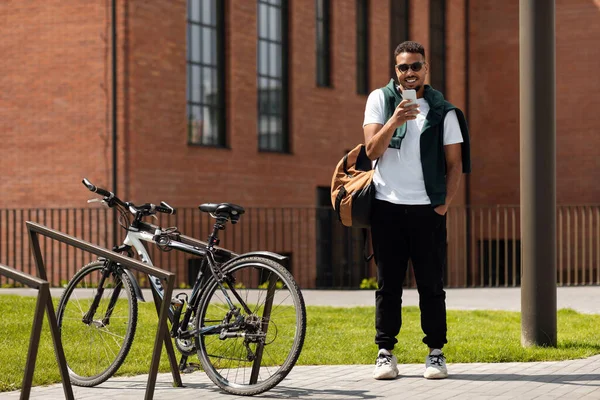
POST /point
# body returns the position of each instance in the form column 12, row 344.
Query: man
column 421, row 149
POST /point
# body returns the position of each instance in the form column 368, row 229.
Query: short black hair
column 409, row 47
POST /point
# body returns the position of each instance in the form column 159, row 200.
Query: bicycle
column 245, row 316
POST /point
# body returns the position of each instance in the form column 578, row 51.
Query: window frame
column 362, row 47
column 217, row 71
column 323, row 11
column 437, row 51
column 282, row 114
column 399, row 15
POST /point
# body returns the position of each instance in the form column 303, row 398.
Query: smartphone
column 410, row 94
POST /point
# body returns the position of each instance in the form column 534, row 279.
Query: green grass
column 334, row 336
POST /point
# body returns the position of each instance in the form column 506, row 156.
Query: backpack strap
column 338, row 199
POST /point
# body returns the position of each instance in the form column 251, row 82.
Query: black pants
column 400, row 233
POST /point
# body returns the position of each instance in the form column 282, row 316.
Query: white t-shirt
column 398, row 175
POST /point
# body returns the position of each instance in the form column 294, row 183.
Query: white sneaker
column 386, row 365
column 435, row 365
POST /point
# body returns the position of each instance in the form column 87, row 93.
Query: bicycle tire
column 95, row 365
column 225, row 361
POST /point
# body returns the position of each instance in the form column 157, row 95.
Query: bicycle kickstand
column 185, row 367
column 183, row 363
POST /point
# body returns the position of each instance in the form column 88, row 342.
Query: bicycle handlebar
column 166, row 209
column 146, row 209
column 95, row 189
column 109, row 196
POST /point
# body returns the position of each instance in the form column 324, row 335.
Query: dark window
column 362, row 46
column 272, row 76
column 323, row 43
column 437, row 53
column 205, row 65
column 398, row 29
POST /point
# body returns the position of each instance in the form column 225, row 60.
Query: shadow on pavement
column 278, row 392
column 557, row 378
column 283, row 392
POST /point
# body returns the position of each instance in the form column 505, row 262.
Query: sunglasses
column 416, row 66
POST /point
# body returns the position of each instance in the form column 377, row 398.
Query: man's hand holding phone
column 408, row 109
column 410, row 94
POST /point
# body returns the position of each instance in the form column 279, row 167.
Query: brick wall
column 494, row 102
column 55, row 102
column 577, row 102
column 323, row 121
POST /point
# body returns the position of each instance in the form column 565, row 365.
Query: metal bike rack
column 44, row 300
column 265, row 326
column 162, row 333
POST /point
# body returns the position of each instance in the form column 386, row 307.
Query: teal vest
column 433, row 159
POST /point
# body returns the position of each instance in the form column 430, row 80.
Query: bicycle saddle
column 227, row 210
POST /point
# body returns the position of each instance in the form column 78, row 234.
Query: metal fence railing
column 484, row 247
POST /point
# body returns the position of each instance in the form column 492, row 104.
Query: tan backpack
column 352, row 189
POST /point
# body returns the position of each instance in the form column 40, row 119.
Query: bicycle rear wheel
column 256, row 353
column 96, row 345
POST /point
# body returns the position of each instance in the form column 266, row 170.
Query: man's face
column 410, row 79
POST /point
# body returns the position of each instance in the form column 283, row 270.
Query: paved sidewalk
column 573, row 379
column 582, row 298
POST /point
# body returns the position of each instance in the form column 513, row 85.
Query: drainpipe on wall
column 468, row 112
column 114, row 113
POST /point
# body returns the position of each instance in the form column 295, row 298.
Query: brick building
column 254, row 102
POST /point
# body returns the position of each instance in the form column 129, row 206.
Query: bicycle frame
column 232, row 299
column 134, row 239
column 140, row 232
column 188, row 245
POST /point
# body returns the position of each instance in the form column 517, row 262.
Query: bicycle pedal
column 190, row 367
column 176, row 302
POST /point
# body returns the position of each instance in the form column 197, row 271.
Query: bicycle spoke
column 78, row 303
column 107, row 347
column 113, row 336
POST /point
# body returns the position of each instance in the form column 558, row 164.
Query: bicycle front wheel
column 251, row 349
column 97, row 324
